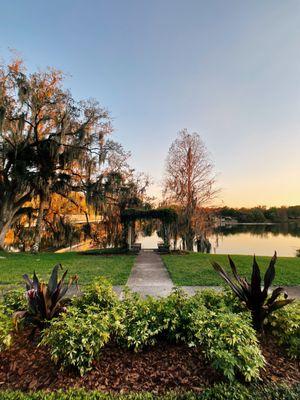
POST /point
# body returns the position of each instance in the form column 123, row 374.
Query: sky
column 229, row 70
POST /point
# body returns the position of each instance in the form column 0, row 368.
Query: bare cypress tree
column 189, row 179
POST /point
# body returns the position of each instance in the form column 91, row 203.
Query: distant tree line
column 261, row 213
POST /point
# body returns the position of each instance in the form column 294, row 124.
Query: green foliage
column 166, row 215
column 204, row 319
column 14, row 300
column 76, row 338
column 220, row 391
column 229, row 342
column 284, row 325
column 45, row 301
column 141, row 321
column 6, row 327
column 255, row 298
column 215, row 321
column 254, row 392
column 99, row 294
column 261, row 214
column 177, row 308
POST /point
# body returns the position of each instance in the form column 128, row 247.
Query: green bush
column 218, row 392
column 254, row 392
column 14, row 300
column 99, row 294
column 6, row 327
column 76, row 339
column 176, row 311
column 284, row 324
column 229, row 342
column 141, row 321
column 214, row 321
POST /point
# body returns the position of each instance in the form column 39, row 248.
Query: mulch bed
column 279, row 367
column 158, row 369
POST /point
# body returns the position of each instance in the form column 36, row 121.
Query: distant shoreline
column 257, row 223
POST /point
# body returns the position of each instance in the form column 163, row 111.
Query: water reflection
column 261, row 239
column 261, row 230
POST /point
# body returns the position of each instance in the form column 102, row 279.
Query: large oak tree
column 46, row 141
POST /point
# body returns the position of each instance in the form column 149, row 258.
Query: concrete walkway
column 149, row 276
column 292, row 291
column 163, row 290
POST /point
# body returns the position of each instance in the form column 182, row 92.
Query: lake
column 259, row 239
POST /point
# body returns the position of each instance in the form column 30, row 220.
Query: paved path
column 149, row 276
column 164, row 290
column 292, row 291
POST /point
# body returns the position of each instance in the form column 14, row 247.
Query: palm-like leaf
column 270, row 274
column 44, row 300
column 252, row 294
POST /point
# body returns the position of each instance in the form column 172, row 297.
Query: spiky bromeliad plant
column 252, row 294
column 45, row 301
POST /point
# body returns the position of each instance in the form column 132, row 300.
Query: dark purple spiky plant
column 253, row 294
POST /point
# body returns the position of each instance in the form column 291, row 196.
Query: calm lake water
column 248, row 239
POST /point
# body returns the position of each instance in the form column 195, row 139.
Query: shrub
column 220, row 391
column 218, row 300
column 176, row 311
column 99, row 294
column 6, row 327
column 255, row 298
column 76, row 339
column 237, row 391
column 229, row 342
column 14, row 300
column 141, row 321
column 284, row 325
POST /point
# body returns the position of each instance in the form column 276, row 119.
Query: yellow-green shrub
column 75, row 339
column 228, row 341
column 6, row 327
column 284, row 325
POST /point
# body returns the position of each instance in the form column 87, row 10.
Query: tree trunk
column 203, row 245
column 38, row 227
column 189, row 239
column 4, row 227
column 7, row 213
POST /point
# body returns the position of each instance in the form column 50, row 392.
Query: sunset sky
column 229, row 70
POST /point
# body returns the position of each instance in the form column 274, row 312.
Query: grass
column 115, row 268
column 195, row 269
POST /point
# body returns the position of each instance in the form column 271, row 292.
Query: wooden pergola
column 165, row 215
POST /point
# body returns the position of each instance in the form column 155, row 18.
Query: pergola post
column 129, row 236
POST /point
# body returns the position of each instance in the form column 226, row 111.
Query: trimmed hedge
column 217, row 392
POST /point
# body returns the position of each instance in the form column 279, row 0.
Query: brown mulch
column 279, row 367
column 161, row 368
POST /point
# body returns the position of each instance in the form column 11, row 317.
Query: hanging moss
column 166, row 215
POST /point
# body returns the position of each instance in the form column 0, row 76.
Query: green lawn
column 116, row 268
column 195, row 269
